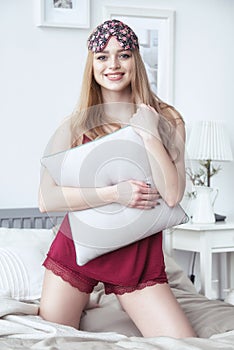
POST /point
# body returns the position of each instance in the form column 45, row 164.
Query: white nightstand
column 204, row 239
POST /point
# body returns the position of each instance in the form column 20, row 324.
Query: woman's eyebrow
column 107, row 51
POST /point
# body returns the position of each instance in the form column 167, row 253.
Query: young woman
column 116, row 92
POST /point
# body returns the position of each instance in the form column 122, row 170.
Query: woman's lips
column 114, row 76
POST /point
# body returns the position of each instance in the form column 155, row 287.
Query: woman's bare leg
column 60, row 302
column 156, row 312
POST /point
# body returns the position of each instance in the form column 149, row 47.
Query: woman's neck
column 118, row 105
column 117, row 96
column 119, row 112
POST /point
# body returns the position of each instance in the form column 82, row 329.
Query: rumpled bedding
column 105, row 325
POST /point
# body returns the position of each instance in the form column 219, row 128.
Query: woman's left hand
column 145, row 121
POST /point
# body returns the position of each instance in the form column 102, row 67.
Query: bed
column 25, row 235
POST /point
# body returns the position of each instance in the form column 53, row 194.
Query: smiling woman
column 116, row 93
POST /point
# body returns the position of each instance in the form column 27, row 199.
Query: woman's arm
column 59, row 198
column 168, row 176
column 131, row 193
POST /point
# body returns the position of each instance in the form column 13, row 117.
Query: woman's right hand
column 137, row 194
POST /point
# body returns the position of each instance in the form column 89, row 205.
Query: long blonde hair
column 87, row 120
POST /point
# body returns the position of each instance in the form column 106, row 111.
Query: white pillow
column 114, row 158
column 22, row 252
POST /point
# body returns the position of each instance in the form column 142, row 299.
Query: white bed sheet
column 31, row 332
column 108, row 327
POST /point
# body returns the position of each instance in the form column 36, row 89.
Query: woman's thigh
column 156, row 312
column 60, row 302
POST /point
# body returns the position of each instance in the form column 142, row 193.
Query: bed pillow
column 22, row 252
column 114, row 158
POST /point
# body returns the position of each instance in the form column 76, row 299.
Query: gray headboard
column 29, row 218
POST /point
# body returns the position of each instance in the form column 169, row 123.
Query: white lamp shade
column 209, row 140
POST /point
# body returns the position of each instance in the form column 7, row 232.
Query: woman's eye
column 125, row 55
column 101, row 58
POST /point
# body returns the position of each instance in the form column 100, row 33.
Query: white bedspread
column 21, row 328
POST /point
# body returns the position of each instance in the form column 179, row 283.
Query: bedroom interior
column 40, row 85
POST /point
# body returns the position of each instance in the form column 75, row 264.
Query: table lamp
column 209, row 141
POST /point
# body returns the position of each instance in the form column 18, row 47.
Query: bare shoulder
column 176, row 116
column 172, row 114
column 178, row 122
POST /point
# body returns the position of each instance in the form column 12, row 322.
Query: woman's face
column 112, row 68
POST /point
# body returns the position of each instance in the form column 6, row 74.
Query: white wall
column 41, row 72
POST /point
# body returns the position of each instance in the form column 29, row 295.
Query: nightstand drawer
column 222, row 239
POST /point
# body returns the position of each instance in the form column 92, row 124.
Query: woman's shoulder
column 172, row 114
column 177, row 117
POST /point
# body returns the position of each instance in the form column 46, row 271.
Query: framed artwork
column 155, row 31
column 64, row 13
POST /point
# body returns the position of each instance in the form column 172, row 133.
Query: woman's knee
column 156, row 312
column 61, row 302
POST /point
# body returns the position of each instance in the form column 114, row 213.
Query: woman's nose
column 114, row 63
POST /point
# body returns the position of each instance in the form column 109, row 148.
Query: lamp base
column 219, row 217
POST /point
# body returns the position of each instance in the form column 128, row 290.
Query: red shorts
column 130, row 268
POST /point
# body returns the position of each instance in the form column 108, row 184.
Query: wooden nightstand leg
column 231, row 270
column 206, row 271
column 167, row 241
column 224, row 272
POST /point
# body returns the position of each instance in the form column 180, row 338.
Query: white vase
column 203, row 212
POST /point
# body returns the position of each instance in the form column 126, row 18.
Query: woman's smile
column 114, row 76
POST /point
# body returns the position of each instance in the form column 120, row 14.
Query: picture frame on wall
column 64, row 13
column 155, row 31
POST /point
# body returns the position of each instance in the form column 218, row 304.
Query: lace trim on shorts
column 120, row 290
column 85, row 285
